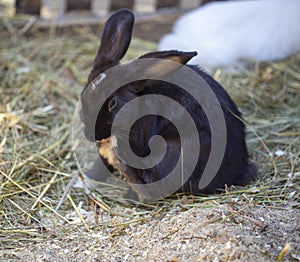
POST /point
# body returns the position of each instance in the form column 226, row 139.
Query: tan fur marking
column 106, row 150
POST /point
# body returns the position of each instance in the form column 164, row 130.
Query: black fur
column 235, row 168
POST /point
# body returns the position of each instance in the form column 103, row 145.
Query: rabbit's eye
column 112, row 103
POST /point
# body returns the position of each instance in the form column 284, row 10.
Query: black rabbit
column 234, row 169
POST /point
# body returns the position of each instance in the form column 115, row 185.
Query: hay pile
column 41, row 80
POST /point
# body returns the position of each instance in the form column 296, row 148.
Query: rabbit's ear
column 115, row 41
column 176, row 56
column 157, row 68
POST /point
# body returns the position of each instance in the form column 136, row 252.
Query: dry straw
column 41, row 80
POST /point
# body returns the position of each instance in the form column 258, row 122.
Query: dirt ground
column 224, row 233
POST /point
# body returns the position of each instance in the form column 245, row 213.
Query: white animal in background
column 225, row 33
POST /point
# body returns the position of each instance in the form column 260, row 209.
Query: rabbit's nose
column 88, row 134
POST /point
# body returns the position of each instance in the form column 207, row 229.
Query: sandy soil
column 224, row 233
